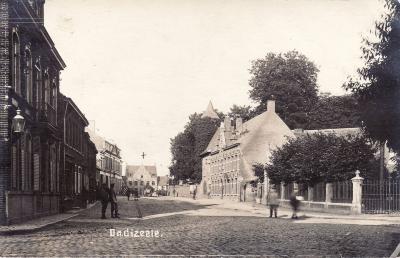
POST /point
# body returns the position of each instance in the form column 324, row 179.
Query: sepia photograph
column 196, row 128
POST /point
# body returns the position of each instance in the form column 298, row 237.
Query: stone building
column 142, row 176
column 227, row 163
column 30, row 68
column 78, row 155
column 108, row 161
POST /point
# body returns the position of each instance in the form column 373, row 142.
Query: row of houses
column 49, row 161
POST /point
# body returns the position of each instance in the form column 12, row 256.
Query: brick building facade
column 29, row 81
column 227, row 163
column 108, row 161
column 78, row 156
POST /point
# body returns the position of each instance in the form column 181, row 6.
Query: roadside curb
column 18, row 231
column 258, row 208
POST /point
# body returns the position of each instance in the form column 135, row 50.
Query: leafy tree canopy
column 187, row 146
column 334, row 112
column 291, row 79
column 245, row 112
column 378, row 84
column 322, row 158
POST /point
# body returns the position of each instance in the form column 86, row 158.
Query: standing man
column 273, row 202
column 128, row 192
column 114, row 204
column 104, row 196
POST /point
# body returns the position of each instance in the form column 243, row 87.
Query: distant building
column 141, row 176
column 109, row 162
column 162, row 182
column 227, row 164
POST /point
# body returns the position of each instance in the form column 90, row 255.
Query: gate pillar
column 357, row 193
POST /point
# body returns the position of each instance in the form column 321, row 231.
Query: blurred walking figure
column 104, row 196
column 114, row 204
column 194, row 194
column 273, row 202
column 295, row 203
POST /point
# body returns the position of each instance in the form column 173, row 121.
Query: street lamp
column 18, row 122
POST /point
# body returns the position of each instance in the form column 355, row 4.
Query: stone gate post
column 328, row 194
column 357, row 193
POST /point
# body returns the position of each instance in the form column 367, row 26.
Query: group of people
column 107, row 195
column 273, row 202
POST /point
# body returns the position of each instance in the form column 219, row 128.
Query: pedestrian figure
column 295, row 203
column 114, row 204
column 273, row 202
column 104, row 198
column 136, row 194
column 128, row 193
column 194, row 194
column 173, row 192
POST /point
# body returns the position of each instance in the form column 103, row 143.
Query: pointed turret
column 210, row 112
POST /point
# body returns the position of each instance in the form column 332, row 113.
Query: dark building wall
column 29, row 161
column 4, row 127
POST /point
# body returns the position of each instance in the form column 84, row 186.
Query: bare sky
column 139, row 68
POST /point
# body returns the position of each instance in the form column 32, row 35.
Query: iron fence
column 342, row 192
column 319, row 192
column 288, row 191
column 380, row 197
column 303, row 191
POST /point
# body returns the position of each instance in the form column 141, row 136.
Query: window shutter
column 14, row 167
column 36, row 172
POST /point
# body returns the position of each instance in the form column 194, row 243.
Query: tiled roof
column 151, row 170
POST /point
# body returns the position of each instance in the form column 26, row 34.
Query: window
column 46, row 87
column 28, row 76
column 36, row 88
column 16, row 68
column 153, row 183
column 53, row 93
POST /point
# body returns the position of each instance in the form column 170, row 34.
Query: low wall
column 23, row 206
column 330, row 207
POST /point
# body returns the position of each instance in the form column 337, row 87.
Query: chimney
column 271, row 106
column 227, row 123
column 239, row 125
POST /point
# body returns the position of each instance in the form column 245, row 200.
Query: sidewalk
column 40, row 223
column 309, row 216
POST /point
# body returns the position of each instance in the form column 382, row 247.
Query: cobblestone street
column 191, row 231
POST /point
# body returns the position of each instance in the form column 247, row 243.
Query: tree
column 378, row 83
column 292, row 79
column 322, row 158
column 187, row 146
column 334, row 112
column 245, row 112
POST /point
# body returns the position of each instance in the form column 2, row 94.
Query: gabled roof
column 151, row 170
column 210, row 112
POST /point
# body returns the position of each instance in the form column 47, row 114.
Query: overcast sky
column 139, row 68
